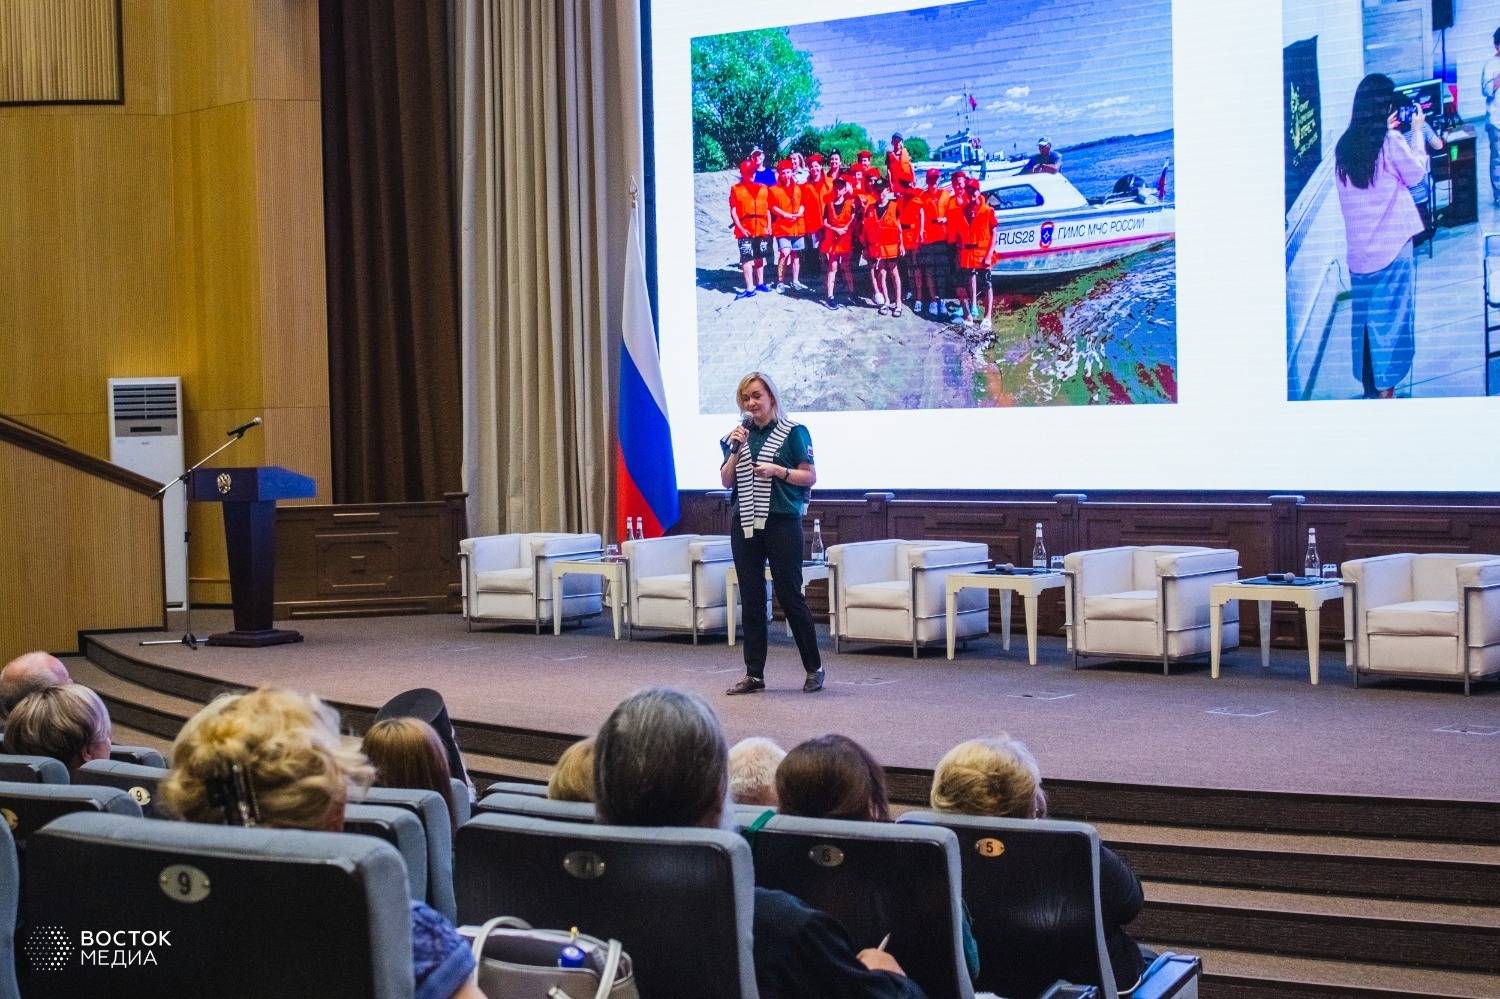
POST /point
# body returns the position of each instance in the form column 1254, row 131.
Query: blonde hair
column 764, row 379
column 63, row 721
column 300, row 770
column 997, row 776
column 408, row 752
column 573, row 777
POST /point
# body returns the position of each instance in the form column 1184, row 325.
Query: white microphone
column 747, row 421
column 239, row 431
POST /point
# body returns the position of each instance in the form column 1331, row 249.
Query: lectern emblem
column 224, row 482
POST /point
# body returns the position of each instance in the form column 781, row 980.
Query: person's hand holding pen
column 876, row 959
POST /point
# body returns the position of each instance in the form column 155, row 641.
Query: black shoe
column 746, row 685
column 814, row 682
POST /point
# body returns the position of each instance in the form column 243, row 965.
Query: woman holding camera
column 1375, row 167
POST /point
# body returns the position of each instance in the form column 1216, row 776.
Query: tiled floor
column 1450, row 322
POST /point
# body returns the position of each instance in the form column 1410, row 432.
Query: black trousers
column 780, row 544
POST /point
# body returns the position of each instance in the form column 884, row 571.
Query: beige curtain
column 546, row 94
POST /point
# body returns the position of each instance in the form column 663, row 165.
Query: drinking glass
column 1330, row 570
column 1055, row 563
column 611, row 552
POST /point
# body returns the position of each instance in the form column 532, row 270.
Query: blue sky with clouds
column 1074, row 70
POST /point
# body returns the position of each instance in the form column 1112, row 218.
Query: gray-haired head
column 752, row 771
column 660, row 759
column 27, row 674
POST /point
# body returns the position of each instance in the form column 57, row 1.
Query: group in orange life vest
column 827, row 218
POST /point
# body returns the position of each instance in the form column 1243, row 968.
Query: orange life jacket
column 839, row 244
column 748, row 199
column 788, row 199
column 882, row 233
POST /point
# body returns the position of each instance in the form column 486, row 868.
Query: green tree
column 749, row 88
column 917, row 148
column 847, row 137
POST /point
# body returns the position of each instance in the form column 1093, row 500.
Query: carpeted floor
column 1108, row 722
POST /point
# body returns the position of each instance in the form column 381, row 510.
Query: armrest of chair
column 710, row 558
column 1185, row 581
column 1383, row 579
column 566, row 546
column 1209, row 561
column 1102, row 570
column 864, row 561
column 658, row 556
column 949, row 555
column 1169, row 975
column 1479, row 593
column 496, row 551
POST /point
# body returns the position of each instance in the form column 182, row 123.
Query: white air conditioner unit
column 145, row 436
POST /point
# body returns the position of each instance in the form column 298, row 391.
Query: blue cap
column 571, row 956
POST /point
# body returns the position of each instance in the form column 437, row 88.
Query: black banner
column 1302, row 111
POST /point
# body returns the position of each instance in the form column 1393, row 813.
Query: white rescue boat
column 1045, row 226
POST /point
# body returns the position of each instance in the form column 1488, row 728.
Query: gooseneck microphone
column 747, row 421
column 239, row 431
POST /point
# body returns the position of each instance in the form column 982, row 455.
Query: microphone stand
column 188, row 638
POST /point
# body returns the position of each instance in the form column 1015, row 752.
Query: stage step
column 1379, row 868
column 1465, row 937
column 1240, row 974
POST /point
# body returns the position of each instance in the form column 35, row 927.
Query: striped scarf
column 755, row 494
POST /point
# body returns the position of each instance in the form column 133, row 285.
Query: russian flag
column 645, row 477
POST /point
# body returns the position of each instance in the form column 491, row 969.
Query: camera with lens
column 1406, row 112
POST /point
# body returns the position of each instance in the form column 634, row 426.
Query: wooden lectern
column 249, row 496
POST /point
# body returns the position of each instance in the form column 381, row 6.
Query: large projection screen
column 1142, row 333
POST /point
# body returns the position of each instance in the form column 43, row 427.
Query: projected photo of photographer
column 1385, row 226
column 961, row 266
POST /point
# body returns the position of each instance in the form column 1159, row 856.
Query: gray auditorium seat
column 140, row 781
column 10, row 894
column 248, row 912
column 876, row 878
column 28, row 807
column 541, row 808
column 1032, row 887
column 680, row 900
column 517, row 787
column 430, row 808
column 402, row 829
column 143, row 756
column 463, row 801
column 32, row 769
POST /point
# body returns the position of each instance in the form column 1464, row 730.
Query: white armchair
column 508, row 578
column 1428, row 616
column 677, row 582
column 891, row 592
column 1147, row 601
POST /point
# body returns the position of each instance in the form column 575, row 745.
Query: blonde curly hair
column 996, row 776
column 301, row 770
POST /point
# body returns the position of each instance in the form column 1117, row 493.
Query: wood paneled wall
column 59, row 50
column 178, row 233
column 82, row 549
column 1268, row 531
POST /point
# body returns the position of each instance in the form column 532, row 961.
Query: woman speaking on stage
column 768, row 463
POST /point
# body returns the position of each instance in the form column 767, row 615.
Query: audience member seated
column 752, row 771
column 834, row 777
column 573, row 777
column 1000, row 777
column 275, row 757
column 27, row 674
column 407, row 752
column 661, row 760
column 66, row 721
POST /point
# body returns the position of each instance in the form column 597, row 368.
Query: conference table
column 1310, row 596
column 1029, row 584
column 615, row 572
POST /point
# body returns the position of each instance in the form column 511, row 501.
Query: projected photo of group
column 1392, row 192
column 969, row 205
